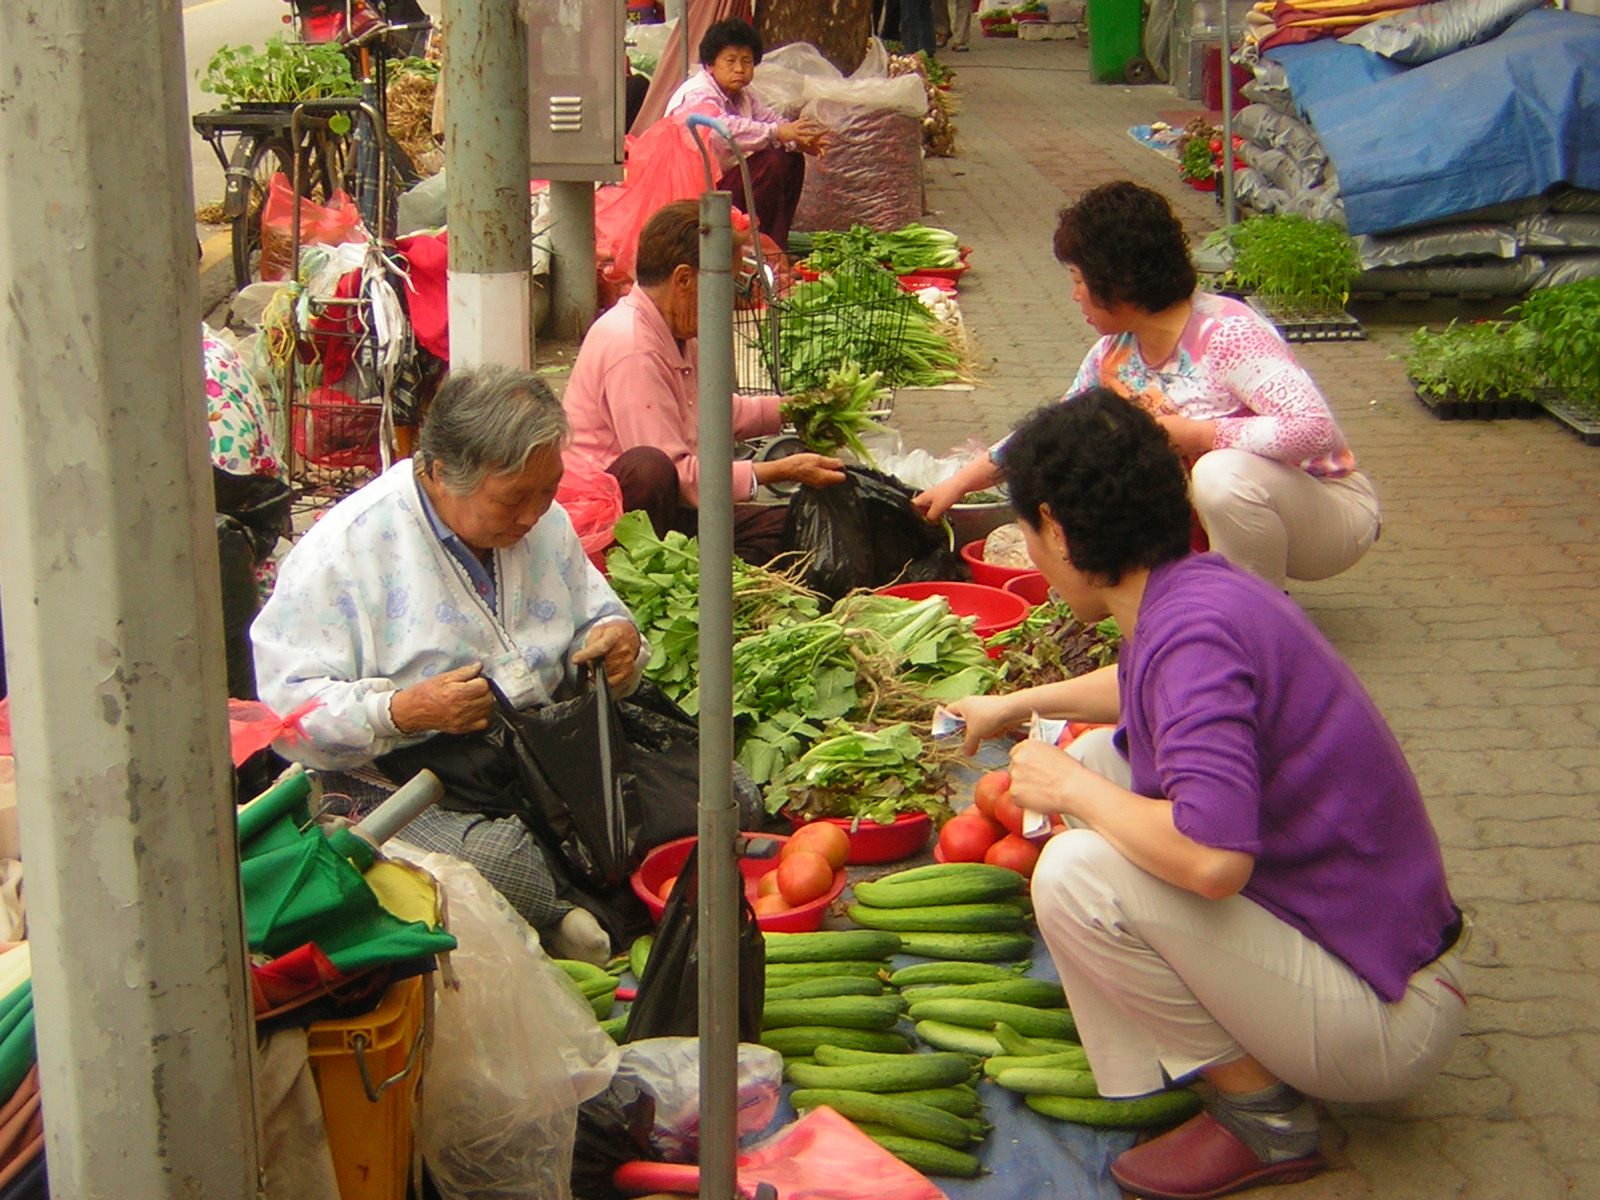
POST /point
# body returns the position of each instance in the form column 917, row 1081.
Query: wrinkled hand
column 938, row 500
column 1041, row 777
column 986, row 716
column 813, row 470
column 617, row 643
column 806, row 134
column 455, row 701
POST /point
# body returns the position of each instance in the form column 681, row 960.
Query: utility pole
column 113, row 613
column 486, row 145
column 574, row 296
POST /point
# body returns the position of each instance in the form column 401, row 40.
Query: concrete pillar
column 113, row 613
column 573, row 296
column 486, row 145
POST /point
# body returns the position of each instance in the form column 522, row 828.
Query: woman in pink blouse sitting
column 774, row 149
column 1272, row 480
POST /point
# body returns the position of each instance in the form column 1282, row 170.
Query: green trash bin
column 1116, row 41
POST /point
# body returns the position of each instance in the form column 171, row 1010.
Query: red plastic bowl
column 1032, row 587
column 871, row 842
column 988, row 573
column 667, row 859
column 994, row 609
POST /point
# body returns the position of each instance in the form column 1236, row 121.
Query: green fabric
column 19, row 997
column 298, row 889
column 17, row 1053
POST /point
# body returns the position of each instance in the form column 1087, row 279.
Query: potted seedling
column 1299, row 271
column 1481, row 369
column 1566, row 321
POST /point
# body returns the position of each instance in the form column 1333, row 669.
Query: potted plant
column 281, row 73
column 1566, row 321
column 1301, row 269
column 1481, row 369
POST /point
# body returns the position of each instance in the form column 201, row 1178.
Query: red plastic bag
column 252, row 727
column 331, row 225
column 663, row 166
column 333, row 429
column 593, row 499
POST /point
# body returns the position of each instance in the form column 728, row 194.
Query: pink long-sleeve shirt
column 634, row 384
column 754, row 125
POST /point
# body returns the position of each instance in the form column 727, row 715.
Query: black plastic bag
column 613, row 1128
column 668, row 1003
column 865, row 533
column 259, row 503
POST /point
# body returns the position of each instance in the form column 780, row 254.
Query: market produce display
column 834, row 416
column 1051, row 645
column 904, row 251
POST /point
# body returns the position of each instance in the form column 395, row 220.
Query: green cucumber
column 612, row 1027
column 960, row 1039
column 1013, row 1042
column 859, row 944
column 796, row 1040
column 928, row 1157
column 961, row 1099
column 1074, row 1059
column 1163, row 1108
column 1048, row 1081
column 906, row 1116
column 849, row 1012
column 899, row 1073
column 954, row 972
column 639, row 954
column 816, row 989
column 778, row 974
column 602, row 1004
column 965, row 887
column 939, row 918
column 968, row 947
column 1036, row 993
column 949, row 873
column 984, row 1014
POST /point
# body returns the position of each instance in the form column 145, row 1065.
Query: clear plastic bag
column 668, row 1068
column 795, row 75
column 516, row 1049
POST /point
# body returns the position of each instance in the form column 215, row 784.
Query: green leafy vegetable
column 1475, row 362
column 1301, row 266
column 281, row 72
column 862, row 774
column 836, row 415
column 1052, row 645
column 1566, row 321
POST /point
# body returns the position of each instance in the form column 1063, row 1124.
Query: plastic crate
column 367, row 1069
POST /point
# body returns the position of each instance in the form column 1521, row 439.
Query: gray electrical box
column 575, row 89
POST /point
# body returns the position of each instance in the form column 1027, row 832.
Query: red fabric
column 252, row 727
column 5, row 726
column 427, row 258
column 306, row 971
column 334, row 332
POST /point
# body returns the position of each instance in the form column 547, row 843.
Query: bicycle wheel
column 263, row 159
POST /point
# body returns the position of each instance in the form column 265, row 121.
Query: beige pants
column 1162, row 981
column 1277, row 521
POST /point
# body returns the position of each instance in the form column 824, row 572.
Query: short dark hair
column 669, row 239
column 1128, row 246
column 732, row 32
column 1106, row 473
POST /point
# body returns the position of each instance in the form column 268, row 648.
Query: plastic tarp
column 1499, row 121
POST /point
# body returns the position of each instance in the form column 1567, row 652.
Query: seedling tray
column 1334, row 327
column 1583, row 423
column 1497, row 408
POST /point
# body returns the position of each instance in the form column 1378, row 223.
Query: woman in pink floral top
column 1272, row 479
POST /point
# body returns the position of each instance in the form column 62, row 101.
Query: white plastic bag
column 669, row 1069
column 796, row 75
column 515, row 1050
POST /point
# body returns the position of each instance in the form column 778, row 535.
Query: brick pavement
column 1474, row 622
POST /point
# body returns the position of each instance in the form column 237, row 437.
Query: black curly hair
column 1128, row 246
column 1104, row 470
column 732, row 32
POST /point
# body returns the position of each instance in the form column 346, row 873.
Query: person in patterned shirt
column 1272, row 479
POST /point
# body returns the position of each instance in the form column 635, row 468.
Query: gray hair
column 486, row 421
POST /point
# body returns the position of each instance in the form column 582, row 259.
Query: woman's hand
column 986, row 717
column 1042, row 776
column 455, row 701
column 939, row 499
column 806, row 135
column 813, row 470
column 616, row 642
column 1189, row 438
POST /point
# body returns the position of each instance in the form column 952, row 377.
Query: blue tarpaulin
column 1503, row 120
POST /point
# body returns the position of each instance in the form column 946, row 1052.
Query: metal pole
column 1230, row 204
column 573, row 298
column 486, row 145
column 719, row 819
column 114, row 615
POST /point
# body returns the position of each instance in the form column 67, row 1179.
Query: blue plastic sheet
column 1503, row 120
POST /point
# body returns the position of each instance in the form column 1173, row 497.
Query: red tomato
column 803, row 877
column 1013, row 851
column 665, row 890
column 990, row 788
column 767, row 906
column 827, row 839
column 767, row 885
column 967, row 837
column 1009, row 814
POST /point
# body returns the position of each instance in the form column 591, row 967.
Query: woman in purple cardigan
column 1251, row 891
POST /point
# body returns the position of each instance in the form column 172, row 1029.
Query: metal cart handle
column 358, row 1043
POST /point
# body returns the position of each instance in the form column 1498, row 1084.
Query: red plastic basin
column 1032, row 587
column 987, row 573
column 871, row 842
column 667, row 859
column 993, row 609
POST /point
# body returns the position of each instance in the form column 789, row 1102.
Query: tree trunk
column 837, row 28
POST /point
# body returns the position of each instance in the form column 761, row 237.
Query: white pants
column 1161, row 980
column 1279, row 522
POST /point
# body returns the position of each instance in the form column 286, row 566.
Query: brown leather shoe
column 1200, row 1160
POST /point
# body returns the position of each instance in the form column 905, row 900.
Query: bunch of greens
column 281, row 72
column 860, row 314
column 1475, row 362
column 1566, row 321
column 836, row 415
column 1196, row 162
column 904, row 251
column 1052, row 645
column 1300, row 266
column 862, row 774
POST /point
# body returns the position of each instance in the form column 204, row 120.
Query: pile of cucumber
column 827, row 989
column 972, row 912
column 599, row 988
